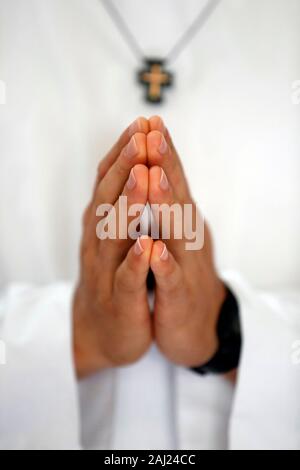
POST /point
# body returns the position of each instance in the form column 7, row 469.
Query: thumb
column 131, row 276
column 166, row 270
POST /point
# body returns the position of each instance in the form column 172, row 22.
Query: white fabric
column 70, row 90
column 35, row 326
column 267, row 408
column 149, row 420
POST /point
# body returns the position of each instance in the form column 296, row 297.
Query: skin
column 189, row 293
column 112, row 323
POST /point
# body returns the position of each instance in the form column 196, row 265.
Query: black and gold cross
column 155, row 78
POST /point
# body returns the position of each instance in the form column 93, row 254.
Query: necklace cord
column 179, row 46
column 193, row 29
column 123, row 28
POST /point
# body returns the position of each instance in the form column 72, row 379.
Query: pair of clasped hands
column 112, row 322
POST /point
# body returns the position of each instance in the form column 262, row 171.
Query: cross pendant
column 154, row 77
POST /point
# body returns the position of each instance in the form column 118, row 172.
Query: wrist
column 211, row 339
column 226, row 358
column 87, row 355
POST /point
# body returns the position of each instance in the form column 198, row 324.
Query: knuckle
column 113, row 244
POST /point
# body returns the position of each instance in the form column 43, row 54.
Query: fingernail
column 164, row 183
column 165, row 254
column 163, row 146
column 138, row 249
column 162, row 127
column 131, row 183
column 134, row 127
column 131, row 149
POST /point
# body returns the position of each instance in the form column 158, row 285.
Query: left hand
column 189, row 293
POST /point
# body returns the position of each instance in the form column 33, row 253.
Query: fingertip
column 133, row 272
column 141, row 169
column 159, row 186
column 157, row 123
column 137, row 175
column 164, row 254
column 135, row 150
column 165, row 268
column 136, row 188
column 157, row 147
column 154, row 179
column 142, row 249
column 155, row 173
column 145, row 243
column 141, row 142
column 138, row 247
column 160, row 254
column 139, row 125
column 154, row 138
column 131, row 182
column 163, row 182
column 141, row 174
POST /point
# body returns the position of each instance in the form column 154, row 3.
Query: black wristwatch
column 227, row 357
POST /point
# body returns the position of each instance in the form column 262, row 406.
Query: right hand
column 112, row 323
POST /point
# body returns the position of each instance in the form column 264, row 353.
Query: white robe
column 70, row 90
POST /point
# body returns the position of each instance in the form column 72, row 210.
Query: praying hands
column 113, row 325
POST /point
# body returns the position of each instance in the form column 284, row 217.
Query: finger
column 119, row 150
column 156, row 123
column 160, row 189
column 160, row 153
column 166, row 270
column 140, row 125
column 167, row 211
column 112, row 184
column 171, row 291
column 120, row 223
column 132, row 274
